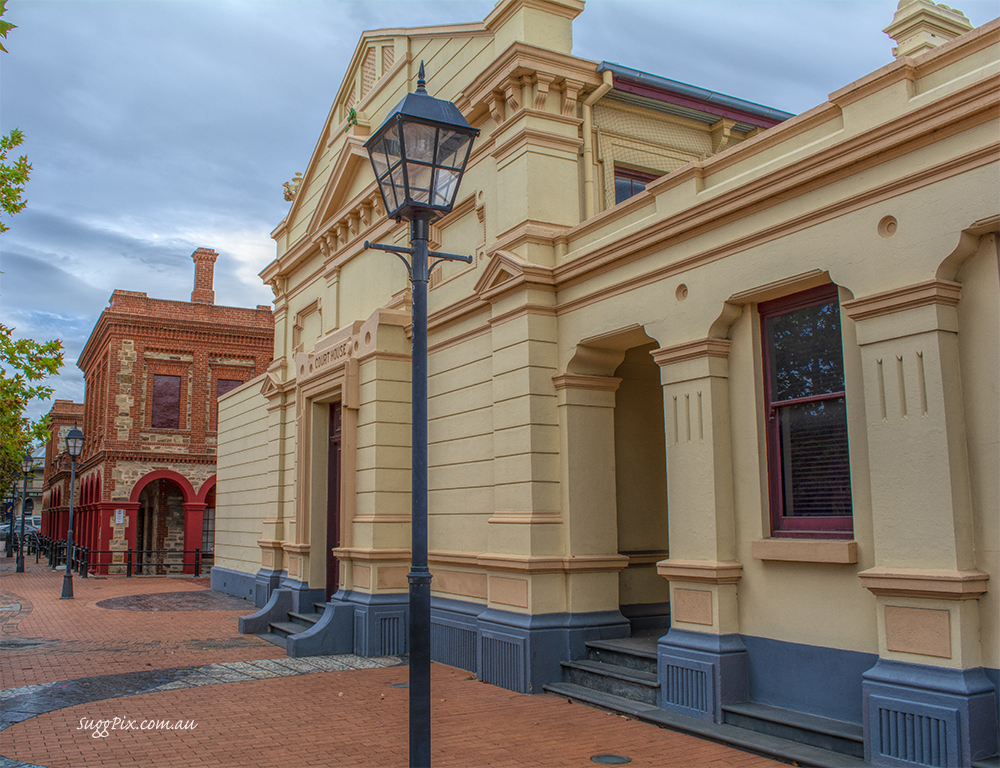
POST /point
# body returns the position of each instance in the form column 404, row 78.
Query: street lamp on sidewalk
column 9, row 544
column 27, row 462
column 419, row 156
column 74, row 447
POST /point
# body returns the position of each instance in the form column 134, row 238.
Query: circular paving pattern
column 207, row 600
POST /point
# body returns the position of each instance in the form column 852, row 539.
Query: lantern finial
column 420, row 80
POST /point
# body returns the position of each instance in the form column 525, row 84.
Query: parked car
column 31, row 532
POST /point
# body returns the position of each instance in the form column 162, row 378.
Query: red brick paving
column 336, row 718
column 91, row 641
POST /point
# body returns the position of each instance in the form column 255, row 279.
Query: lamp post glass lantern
column 419, row 156
column 74, row 447
column 27, row 461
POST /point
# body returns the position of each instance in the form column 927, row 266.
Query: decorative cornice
column 506, row 273
column 528, row 564
column 542, row 310
column 533, row 137
column 528, row 233
column 624, row 252
column 371, row 554
column 700, row 571
column 527, row 518
column 585, row 381
column 912, row 131
column 568, row 9
column 940, row 584
column 943, row 292
column 691, row 350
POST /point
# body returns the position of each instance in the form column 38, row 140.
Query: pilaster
column 702, row 661
column 589, row 504
column 925, row 578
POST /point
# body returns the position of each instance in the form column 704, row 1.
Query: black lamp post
column 27, row 461
column 74, row 447
column 9, row 546
column 419, row 156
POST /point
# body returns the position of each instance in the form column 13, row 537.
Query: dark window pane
column 226, row 385
column 815, row 471
column 623, row 189
column 805, row 351
column 208, row 530
column 166, row 402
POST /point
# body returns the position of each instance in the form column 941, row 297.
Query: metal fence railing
column 132, row 562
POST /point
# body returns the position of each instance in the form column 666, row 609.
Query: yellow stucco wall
column 573, row 349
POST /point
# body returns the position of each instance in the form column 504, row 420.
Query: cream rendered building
column 754, row 403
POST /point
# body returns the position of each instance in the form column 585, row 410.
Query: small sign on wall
column 119, row 517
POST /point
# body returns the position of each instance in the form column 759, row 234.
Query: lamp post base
column 67, row 590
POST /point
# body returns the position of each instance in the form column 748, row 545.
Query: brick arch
column 163, row 474
column 205, row 489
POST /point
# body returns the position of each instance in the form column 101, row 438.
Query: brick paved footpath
column 117, row 626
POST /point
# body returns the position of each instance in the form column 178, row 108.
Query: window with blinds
column 809, row 476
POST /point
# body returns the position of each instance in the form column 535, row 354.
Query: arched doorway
column 641, row 491
column 159, row 535
column 629, row 503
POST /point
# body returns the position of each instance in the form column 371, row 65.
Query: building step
column 305, row 619
column 822, row 732
column 631, row 652
column 741, row 738
column 629, row 683
column 286, row 628
column 274, row 639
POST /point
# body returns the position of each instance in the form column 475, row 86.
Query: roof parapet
column 920, row 26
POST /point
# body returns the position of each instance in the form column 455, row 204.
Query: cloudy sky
column 159, row 126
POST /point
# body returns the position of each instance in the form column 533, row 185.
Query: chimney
column 204, row 269
column 920, row 26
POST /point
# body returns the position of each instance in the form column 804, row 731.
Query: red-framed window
column 629, row 183
column 809, row 473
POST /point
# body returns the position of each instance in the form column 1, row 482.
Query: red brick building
column 154, row 370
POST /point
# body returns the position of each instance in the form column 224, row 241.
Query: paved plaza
column 153, row 672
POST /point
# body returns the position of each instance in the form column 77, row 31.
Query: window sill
column 843, row 551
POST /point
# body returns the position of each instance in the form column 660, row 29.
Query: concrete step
column 633, row 684
column 834, row 735
column 286, row 628
column 630, row 652
column 274, row 639
column 305, row 619
column 741, row 738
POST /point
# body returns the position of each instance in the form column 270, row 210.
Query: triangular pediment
column 270, row 386
column 507, row 271
column 352, row 161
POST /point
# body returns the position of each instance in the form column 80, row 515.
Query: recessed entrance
column 641, row 490
column 333, row 500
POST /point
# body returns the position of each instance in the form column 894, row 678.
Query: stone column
column 701, row 660
column 927, row 701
